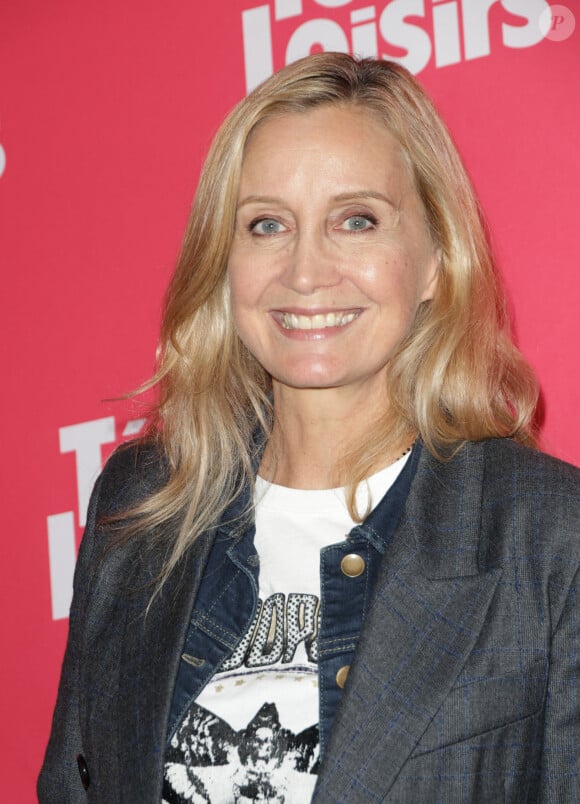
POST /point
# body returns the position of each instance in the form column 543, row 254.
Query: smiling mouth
column 317, row 321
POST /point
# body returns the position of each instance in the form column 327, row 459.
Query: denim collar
column 378, row 527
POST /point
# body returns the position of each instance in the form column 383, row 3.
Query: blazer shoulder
column 133, row 472
column 530, row 467
column 534, row 499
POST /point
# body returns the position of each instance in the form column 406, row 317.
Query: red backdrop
column 106, row 111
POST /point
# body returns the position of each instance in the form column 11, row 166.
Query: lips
column 295, row 321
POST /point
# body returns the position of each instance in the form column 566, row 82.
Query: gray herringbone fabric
column 465, row 685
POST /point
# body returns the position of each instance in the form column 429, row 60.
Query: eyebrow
column 362, row 194
column 260, row 199
column 348, row 196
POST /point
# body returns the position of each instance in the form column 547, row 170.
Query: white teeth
column 318, row 321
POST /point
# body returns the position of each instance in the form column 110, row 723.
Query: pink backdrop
column 106, row 111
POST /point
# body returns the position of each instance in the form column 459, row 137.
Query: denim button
column 83, row 771
column 341, row 676
column 352, row 565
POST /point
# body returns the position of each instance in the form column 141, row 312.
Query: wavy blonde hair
column 457, row 376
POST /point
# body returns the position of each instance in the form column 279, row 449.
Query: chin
column 310, row 379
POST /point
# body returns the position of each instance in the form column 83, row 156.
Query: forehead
column 344, row 139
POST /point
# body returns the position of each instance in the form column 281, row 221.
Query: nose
column 311, row 264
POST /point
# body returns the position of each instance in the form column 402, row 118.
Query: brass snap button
column 352, row 565
column 342, row 675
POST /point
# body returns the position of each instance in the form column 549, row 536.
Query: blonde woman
column 336, row 569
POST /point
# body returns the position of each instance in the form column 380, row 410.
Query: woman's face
column 331, row 255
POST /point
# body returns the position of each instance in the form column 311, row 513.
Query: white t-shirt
column 252, row 733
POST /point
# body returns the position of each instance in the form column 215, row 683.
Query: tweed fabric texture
column 464, row 685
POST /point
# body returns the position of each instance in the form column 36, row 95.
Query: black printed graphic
column 279, row 627
column 208, row 761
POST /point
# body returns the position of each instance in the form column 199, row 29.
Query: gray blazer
column 466, row 681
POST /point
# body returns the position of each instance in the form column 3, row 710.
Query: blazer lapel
column 429, row 607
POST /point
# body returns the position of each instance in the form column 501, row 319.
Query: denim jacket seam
column 201, row 620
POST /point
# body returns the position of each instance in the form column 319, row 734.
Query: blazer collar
column 431, row 599
column 443, row 513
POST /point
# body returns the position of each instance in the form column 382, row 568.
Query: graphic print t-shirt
column 252, row 733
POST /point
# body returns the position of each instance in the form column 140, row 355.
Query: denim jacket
column 227, row 602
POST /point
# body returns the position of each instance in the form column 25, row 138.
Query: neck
column 314, row 429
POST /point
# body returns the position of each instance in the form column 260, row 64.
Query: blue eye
column 265, row 226
column 358, row 223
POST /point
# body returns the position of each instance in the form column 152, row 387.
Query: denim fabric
column 228, row 600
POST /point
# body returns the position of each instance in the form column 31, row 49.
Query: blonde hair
column 456, row 377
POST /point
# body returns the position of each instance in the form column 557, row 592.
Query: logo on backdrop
column 2, row 160
column 85, row 440
column 448, row 31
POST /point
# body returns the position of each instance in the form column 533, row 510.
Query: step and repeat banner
column 106, row 111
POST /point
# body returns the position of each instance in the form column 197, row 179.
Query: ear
column 431, row 276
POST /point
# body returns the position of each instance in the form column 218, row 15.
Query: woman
column 335, row 568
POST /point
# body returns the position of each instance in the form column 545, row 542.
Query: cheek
column 245, row 294
column 238, row 297
column 241, row 286
column 248, row 280
column 392, row 282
